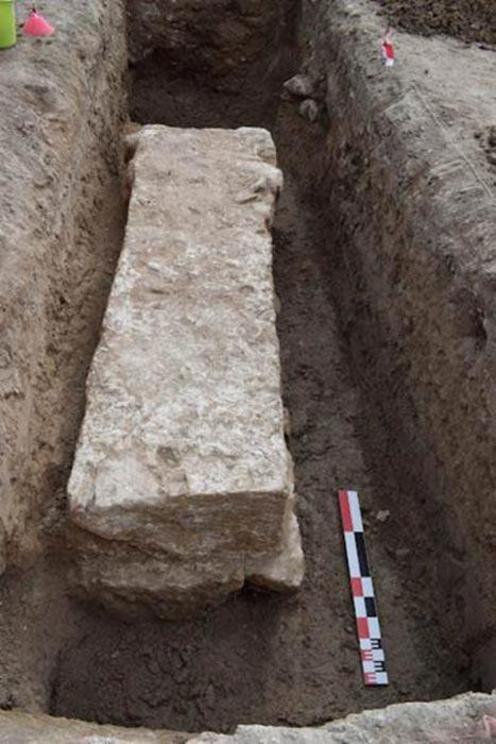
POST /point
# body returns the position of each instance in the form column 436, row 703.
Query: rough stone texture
column 182, row 467
column 300, row 86
column 56, row 166
column 17, row 727
column 467, row 719
column 411, row 182
column 191, row 53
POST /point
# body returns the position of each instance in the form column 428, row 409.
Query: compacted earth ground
column 258, row 658
column 291, row 660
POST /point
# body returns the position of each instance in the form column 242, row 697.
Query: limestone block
column 466, row 718
column 182, row 481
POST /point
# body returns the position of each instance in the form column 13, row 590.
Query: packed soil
column 470, row 20
column 285, row 659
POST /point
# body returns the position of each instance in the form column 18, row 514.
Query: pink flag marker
column 387, row 50
column 36, row 25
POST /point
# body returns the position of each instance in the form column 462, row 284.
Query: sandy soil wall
column 411, row 194
column 59, row 210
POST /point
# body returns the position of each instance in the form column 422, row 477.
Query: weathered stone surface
column 300, row 86
column 17, row 727
column 466, row 718
column 182, row 456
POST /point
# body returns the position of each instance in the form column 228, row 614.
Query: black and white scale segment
column 362, row 590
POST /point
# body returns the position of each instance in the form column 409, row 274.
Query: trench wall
column 411, row 200
column 60, row 155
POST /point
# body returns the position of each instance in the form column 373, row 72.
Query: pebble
column 309, row 109
column 383, row 515
column 299, row 85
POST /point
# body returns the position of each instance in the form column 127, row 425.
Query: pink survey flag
column 387, row 50
column 36, row 25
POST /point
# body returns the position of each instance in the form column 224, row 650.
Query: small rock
column 299, row 85
column 309, row 109
column 403, row 553
column 383, row 515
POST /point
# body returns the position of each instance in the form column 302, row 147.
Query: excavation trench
column 281, row 659
column 259, row 657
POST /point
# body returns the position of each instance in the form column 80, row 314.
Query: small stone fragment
column 299, row 86
column 21, row 727
column 383, row 515
column 182, row 485
column 309, row 109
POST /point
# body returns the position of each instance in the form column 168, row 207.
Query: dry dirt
column 61, row 226
column 470, row 20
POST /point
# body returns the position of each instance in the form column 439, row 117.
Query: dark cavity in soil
column 263, row 658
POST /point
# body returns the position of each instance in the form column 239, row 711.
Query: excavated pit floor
column 285, row 659
column 258, row 658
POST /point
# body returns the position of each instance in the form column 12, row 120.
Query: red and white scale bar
column 362, row 590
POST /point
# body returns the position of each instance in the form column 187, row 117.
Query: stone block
column 465, row 718
column 182, row 485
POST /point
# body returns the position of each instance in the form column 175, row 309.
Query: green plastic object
column 8, row 34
